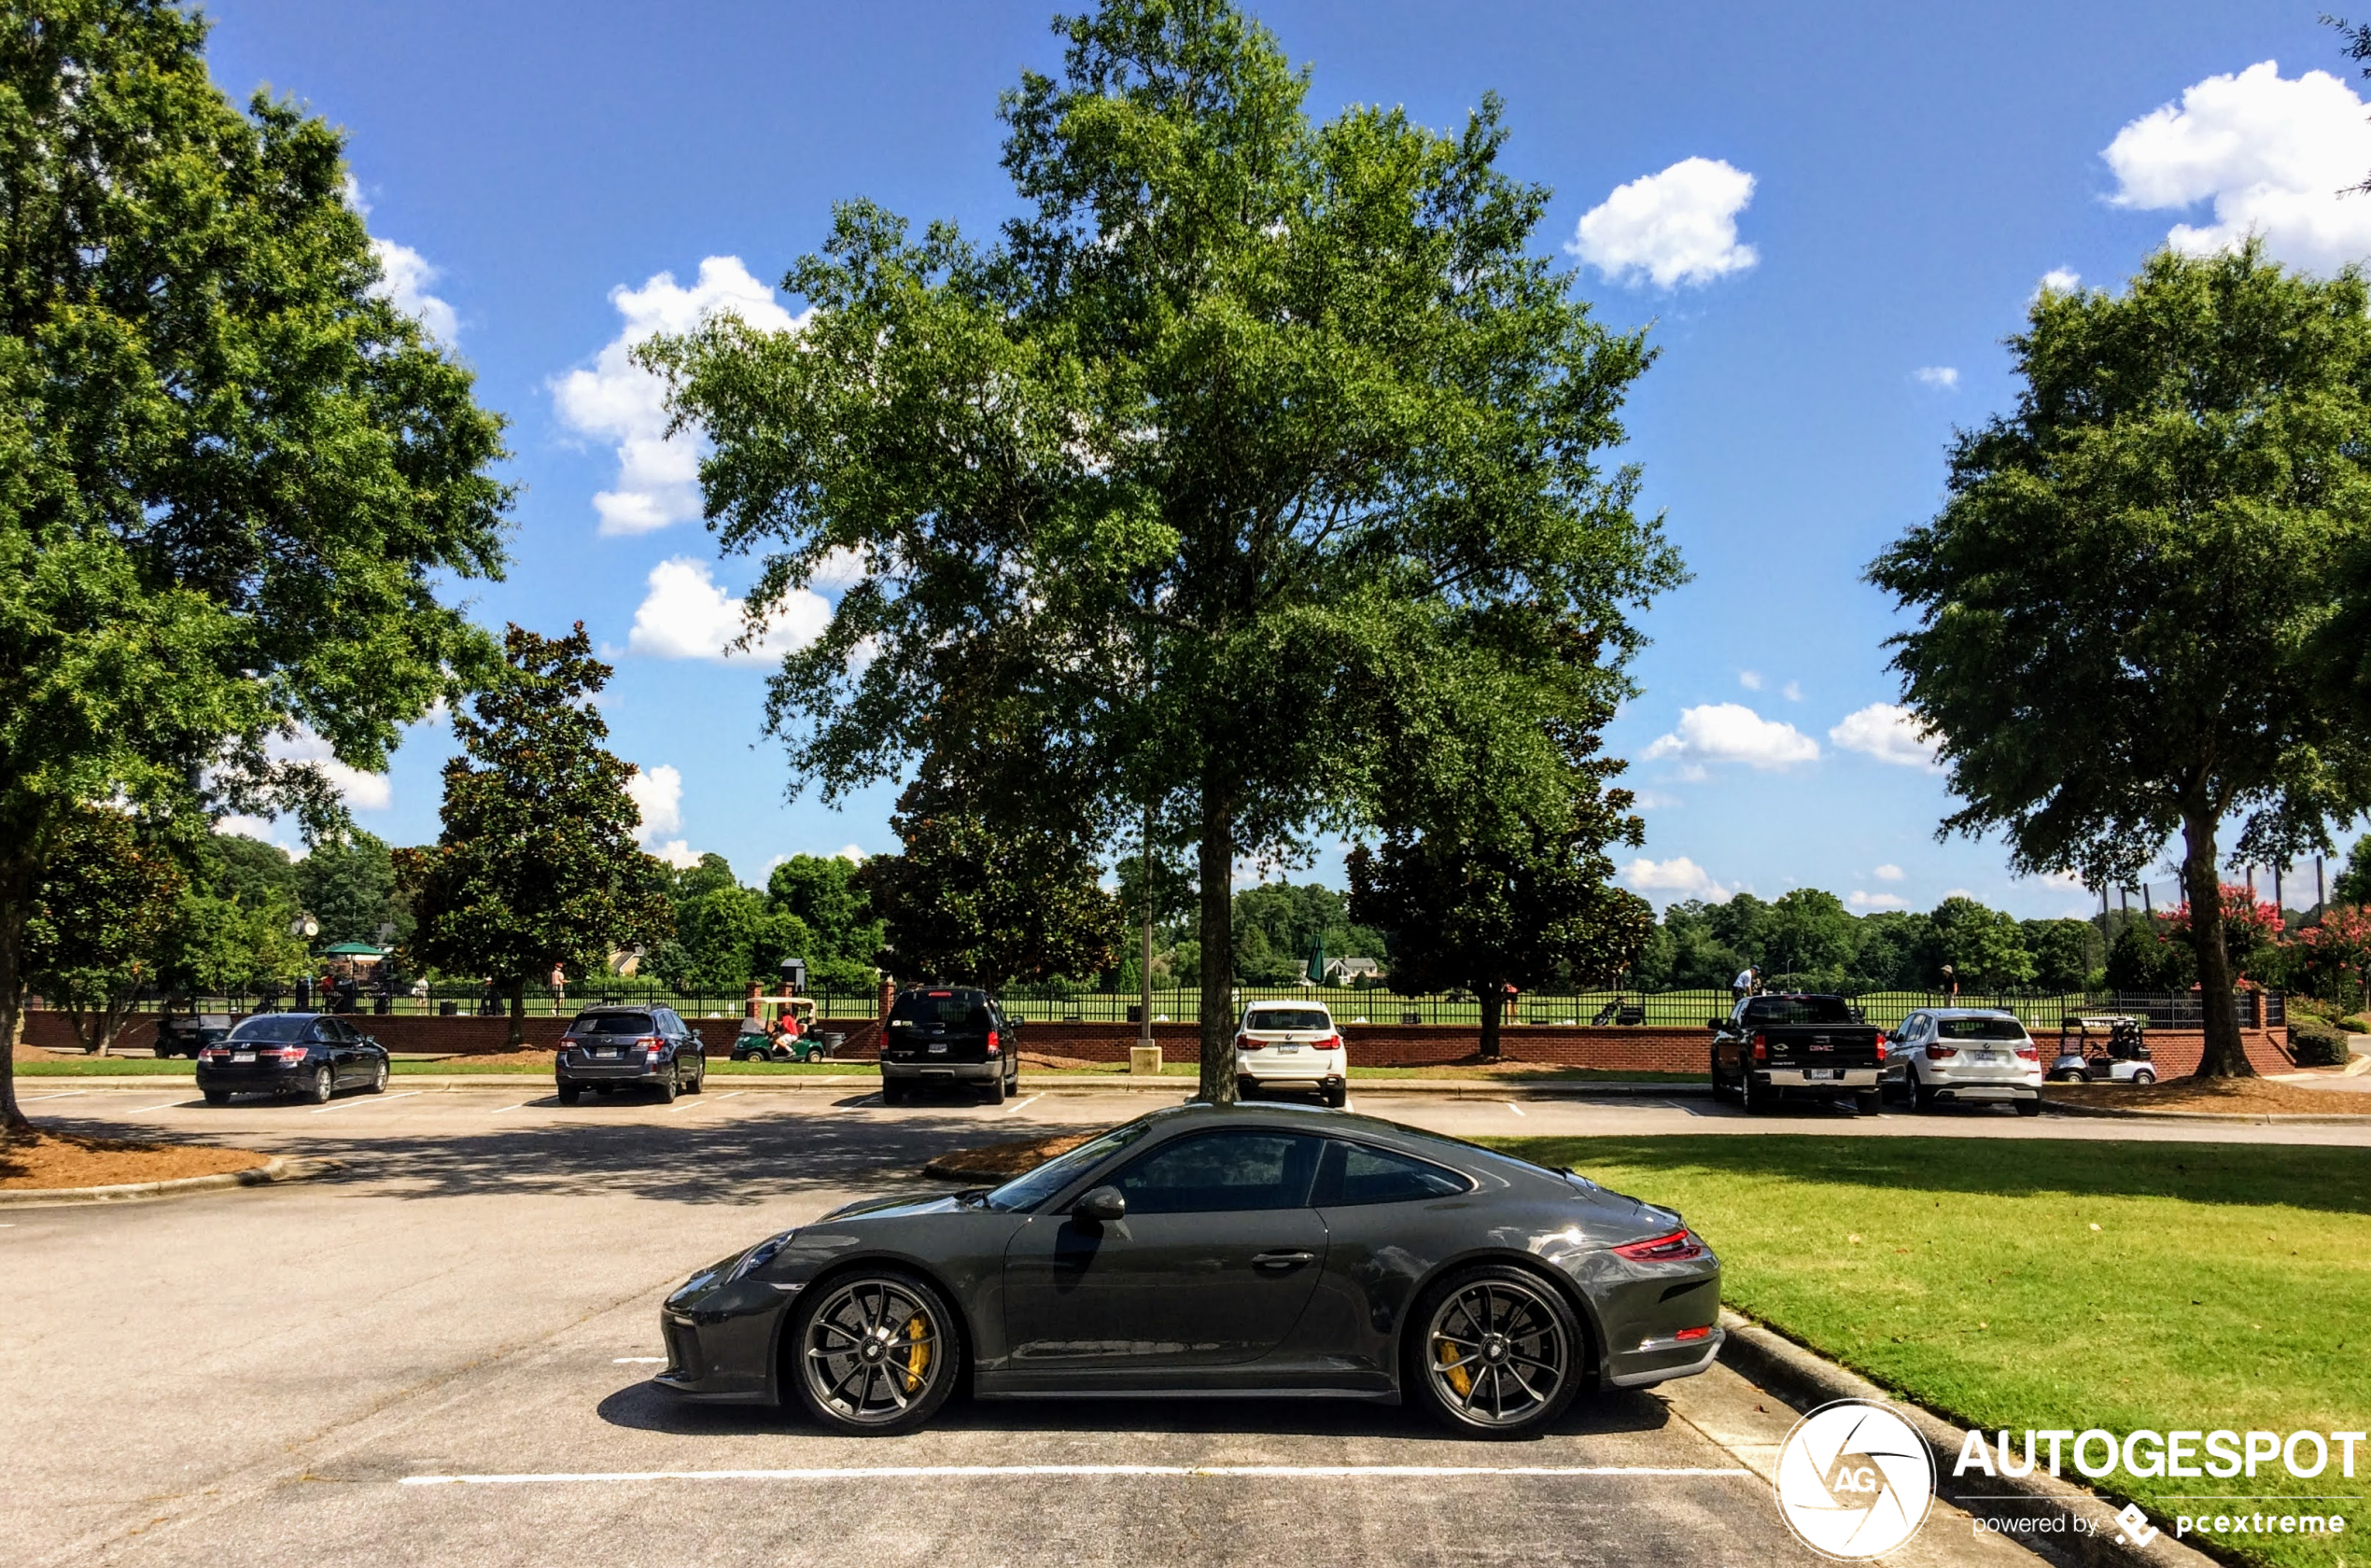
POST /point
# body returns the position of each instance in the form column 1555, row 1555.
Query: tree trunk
column 16, row 898
column 2225, row 1055
column 1216, row 867
column 1491, row 994
column 517, row 987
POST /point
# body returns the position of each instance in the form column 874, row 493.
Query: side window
column 1355, row 1173
column 324, row 1032
column 1222, row 1172
column 670, row 1022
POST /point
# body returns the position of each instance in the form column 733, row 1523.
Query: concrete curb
column 2262, row 1118
column 1805, row 1379
column 271, row 1172
column 1455, row 1088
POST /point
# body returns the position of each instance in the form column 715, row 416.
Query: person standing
column 1748, row 982
column 559, row 986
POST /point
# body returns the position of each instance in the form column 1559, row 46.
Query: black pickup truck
column 1773, row 1046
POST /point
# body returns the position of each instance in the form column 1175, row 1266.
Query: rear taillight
column 287, row 1053
column 1940, row 1052
column 214, row 1053
column 2028, row 1053
column 992, row 1046
column 1678, row 1246
column 1245, row 1042
column 1762, row 1047
column 1881, row 1047
column 1331, row 1043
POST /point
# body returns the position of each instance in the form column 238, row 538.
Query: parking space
column 442, row 1356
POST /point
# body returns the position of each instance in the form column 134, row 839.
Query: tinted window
column 1797, row 1009
column 1224, row 1172
column 1980, row 1028
column 613, row 1023
column 273, row 1026
column 1034, row 1187
column 1358, row 1174
column 1288, row 1019
column 953, row 1010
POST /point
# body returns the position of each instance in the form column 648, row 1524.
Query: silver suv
column 1966, row 1056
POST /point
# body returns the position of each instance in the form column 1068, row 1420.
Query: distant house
column 1353, row 972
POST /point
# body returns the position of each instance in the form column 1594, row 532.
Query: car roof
column 1971, row 1013
column 1439, row 1147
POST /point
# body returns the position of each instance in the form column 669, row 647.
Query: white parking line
column 370, row 1099
column 696, row 1104
column 1515, row 1108
column 500, row 1108
column 66, row 1094
column 1031, row 1101
column 968, row 1472
column 639, row 1361
column 167, row 1105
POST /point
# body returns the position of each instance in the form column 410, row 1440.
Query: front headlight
column 760, row 1255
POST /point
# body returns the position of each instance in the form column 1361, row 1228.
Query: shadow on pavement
column 647, row 1406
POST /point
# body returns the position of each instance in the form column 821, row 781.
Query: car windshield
column 1980, row 1028
column 613, row 1023
column 274, row 1026
column 946, row 1008
column 1797, row 1009
column 1028, row 1191
column 1288, row 1019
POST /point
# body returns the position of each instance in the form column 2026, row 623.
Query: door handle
column 1282, row 1260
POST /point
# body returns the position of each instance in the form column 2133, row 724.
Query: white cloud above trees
column 2274, row 155
column 619, row 401
column 1888, row 732
column 404, row 276
column 1734, row 733
column 1679, row 226
column 1679, row 877
column 686, row 615
column 657, row 793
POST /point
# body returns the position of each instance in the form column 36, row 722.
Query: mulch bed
column 43, row 1160
column 1001, row 1162
column 2252, row 1097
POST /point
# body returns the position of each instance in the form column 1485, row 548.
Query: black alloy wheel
column 323, row 1085
column 996, row 1088
column 669, row 1087
column 878, row 1353
column 699, row 1079
column 1337, row 1096
column 1720, row 1084
column 378, row 1084
column 1756, row 1100
column 1501, row 1352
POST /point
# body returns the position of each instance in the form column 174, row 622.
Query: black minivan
column 949, row 1035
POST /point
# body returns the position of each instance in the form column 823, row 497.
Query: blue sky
column 1831, row 215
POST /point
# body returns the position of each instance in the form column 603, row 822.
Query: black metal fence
column 1686, row 1009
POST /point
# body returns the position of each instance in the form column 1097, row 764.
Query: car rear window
column 955, row 1010
column 1288, row 1019
column 1980, row 1028
column 1797, row 1009
column 613, row 1023
column 274, row 1026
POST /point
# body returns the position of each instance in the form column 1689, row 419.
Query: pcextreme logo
column 1854, row 1480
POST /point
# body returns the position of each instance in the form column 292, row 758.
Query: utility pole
column 1145, row 1027
column 2317, row 887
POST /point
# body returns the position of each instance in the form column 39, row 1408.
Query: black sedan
column 1245, row 1249
column 313, row 1054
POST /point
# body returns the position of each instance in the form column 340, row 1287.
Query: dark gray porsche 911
column 1248, row 1249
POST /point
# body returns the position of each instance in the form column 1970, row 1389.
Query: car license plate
column 1286, row 1050
column 241, row 1055
column 1988, row 1058
column 1810, row 1072
column 938, row 1047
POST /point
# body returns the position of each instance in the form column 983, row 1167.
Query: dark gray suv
column 949, row 1035
column 610, row 1048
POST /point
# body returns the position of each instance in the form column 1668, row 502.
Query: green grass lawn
column 2036, row 1284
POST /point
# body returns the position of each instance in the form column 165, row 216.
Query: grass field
column 2055, row 1284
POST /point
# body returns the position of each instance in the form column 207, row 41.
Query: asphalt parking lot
column 441, row 1356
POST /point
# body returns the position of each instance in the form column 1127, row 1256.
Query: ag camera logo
column 1854, row 1480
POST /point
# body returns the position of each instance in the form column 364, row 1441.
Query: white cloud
column 839, row 569
column 685, row 615
column 1749, row 680
column 1858, row 900
column 1792, row 691
column 1960, row 892
column 1655, row 800
column 2275, row 156
column 404, row 276
column 1887, row 873
column 1679, row 876
column 1888, row 732
column 1734, row 733
column 657, row 793
column 360, row 791
column 2062, row 881
column 1679, row 226
column 618, row 400
column 2058, row 280
column 851, row 852
column 1943, row 378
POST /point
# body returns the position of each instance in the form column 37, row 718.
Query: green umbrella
column 1318, row 960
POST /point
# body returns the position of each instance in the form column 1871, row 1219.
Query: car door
column 329, row 1046
column 1217, row 1256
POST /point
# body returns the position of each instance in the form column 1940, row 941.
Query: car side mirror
column 1100, row 1205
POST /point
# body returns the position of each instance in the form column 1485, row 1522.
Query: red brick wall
column 456, row 1036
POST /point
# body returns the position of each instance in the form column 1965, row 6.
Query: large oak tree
column 1247, row 423
column 233, row 474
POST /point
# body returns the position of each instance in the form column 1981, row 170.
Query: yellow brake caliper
column 1459, row 1378
column 918, row 1353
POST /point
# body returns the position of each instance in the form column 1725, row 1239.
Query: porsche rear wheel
column 1500, row 1356
column 878, row 1353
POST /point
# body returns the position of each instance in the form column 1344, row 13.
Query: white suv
column 1291, row 1046
column 1966, row 1056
